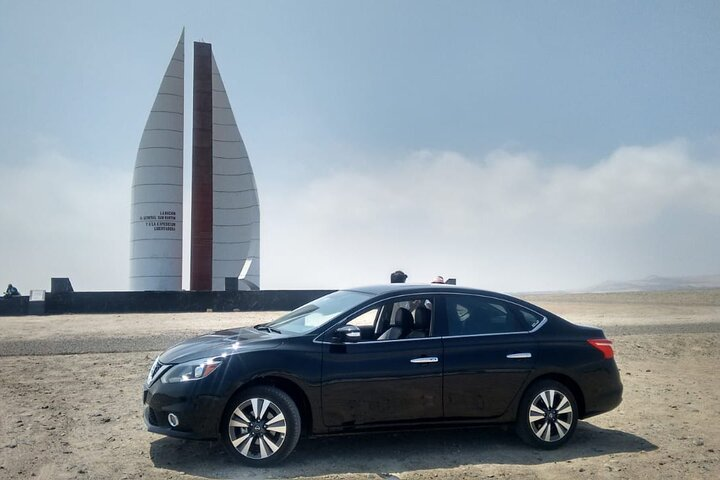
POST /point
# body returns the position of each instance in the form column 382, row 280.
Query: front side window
column 365, row 319
column 319, row 312
column 473, row 315
column 408, row 317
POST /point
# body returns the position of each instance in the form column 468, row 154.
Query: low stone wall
column 13, row 306
column 148, row 302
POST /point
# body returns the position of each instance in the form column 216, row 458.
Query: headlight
column 153, row 370
column 189, row 371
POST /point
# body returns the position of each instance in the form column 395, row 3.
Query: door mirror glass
column 347, row 333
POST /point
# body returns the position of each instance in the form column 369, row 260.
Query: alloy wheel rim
column 550, row 415
column 257, row 428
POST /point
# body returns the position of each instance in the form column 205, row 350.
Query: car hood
column 225, row 342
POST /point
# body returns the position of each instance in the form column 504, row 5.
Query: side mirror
column 348, row 333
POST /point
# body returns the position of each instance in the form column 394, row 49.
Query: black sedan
column 384, row 357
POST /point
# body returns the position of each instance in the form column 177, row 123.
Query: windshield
column 318, row 312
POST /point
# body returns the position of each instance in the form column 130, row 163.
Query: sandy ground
column 80, row 415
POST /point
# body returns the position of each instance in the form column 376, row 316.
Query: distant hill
column 656, row 283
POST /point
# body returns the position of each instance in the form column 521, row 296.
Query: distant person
column 11, row 291
column 438, row 279
column 398, row 276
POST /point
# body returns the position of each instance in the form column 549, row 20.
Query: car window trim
column 365, row 342
column 523, row 332
column 436, row 296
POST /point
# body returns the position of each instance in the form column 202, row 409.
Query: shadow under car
column 401, row 451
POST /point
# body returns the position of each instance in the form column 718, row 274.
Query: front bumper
column 199, row 414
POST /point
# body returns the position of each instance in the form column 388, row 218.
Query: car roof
column 403, row 288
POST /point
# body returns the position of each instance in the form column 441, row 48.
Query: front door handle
column 425, row 360
column 520, row 355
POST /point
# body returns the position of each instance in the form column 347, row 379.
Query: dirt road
column 80, row 415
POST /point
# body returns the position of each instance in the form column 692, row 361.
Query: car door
column 374, row 381
column 487, row 353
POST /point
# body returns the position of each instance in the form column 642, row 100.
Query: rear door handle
column 425, row 360
column 520, row 355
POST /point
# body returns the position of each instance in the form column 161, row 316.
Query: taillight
column 604, row 345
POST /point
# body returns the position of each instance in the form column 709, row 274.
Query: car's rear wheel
column 547, row 416
column 261, row 426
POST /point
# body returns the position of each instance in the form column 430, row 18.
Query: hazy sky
column 513, row 145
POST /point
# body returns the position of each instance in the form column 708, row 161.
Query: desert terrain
column 71, row 389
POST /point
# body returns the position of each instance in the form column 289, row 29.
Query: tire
column 261, row 426
column 547, row 415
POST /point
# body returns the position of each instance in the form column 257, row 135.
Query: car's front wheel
column 547, row 416
column 261, row 426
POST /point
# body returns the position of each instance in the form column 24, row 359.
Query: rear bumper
column 602, row 389
column 604, row 402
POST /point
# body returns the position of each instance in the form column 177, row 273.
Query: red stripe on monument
column 202, row 168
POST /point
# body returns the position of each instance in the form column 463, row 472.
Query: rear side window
column 471, row 315
column 530, row 319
